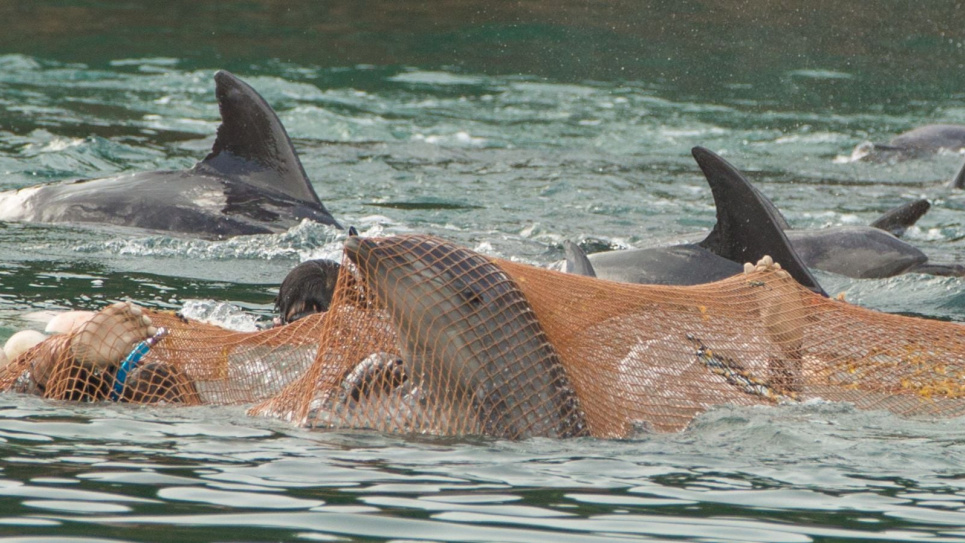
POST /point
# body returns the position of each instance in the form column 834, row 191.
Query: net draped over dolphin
column 425, row 337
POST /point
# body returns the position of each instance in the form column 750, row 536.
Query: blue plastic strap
column 127, row 366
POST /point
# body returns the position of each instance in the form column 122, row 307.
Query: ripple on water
column 346, row 483
column 511, row 165
column 236, row 498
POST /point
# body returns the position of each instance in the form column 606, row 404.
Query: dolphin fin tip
column 959, row 180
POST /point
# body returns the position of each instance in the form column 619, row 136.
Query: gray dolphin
column 576, row 260
column 914, row 143
column 747, row 228
column 469, row 339
column 251, row 183
column 862, row 252
column 866, row 252
column 307, row 289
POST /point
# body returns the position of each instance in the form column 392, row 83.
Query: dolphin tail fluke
column 576, row 260
column 899, row 219
column 253, row 147
column 959, row 181
column 748, row 225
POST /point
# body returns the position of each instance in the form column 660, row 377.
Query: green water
column 507, row 128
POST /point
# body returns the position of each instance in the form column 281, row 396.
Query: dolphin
column 307, row 289
column 749, row 226
column 469, row 339
column 252, row 182
column 916, row 143
column 576, row 260
column 861, row 252
column 867, row 252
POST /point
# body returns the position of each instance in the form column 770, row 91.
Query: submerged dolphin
column 469, row 339
column 251, row 183
column 921, row 141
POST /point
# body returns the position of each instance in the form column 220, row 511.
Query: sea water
column 508, row 129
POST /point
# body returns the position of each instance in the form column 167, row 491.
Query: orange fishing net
column 195, row 363
column 427, row 337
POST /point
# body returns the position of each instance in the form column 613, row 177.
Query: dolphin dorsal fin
column 748, row 225
column 899, row 219
column 252, row 145
column 576, row 260
column 959, row 181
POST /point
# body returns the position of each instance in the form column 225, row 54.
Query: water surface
column 507, row 129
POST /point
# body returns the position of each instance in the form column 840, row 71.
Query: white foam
column 13, row 204
column 436, row 78
column 860, row 151
column 221, row 314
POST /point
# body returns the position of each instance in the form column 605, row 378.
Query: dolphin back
column 686, row 264
column 251, row 182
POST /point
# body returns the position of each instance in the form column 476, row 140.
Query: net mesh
column 426, row 337
column 196, row 363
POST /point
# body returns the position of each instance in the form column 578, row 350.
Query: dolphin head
column 308, row 288
column 468, row 337
column 421, row 272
